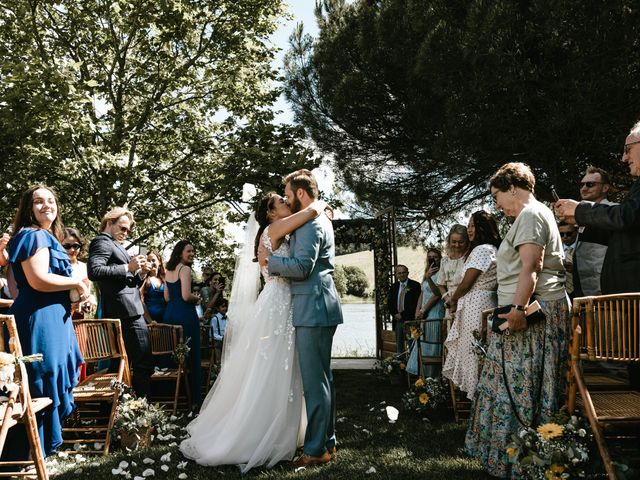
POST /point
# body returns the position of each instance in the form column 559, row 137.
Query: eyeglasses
column 566, row 234
column 124, row 229
column 72, row 246
column 627, row 147
column 589, row 184
column 208, row 274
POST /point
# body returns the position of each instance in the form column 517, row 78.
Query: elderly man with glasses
column 622, row 261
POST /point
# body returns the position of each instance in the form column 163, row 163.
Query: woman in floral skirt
column 529, row 264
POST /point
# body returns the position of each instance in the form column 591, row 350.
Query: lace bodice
column 281, row 251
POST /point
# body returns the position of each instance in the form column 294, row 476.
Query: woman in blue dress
column 41, row 270
column 181, row 310
column 153, row 289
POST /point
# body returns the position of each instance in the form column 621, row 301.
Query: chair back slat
column 612, row 326
column 164, row 338
column 98, row 339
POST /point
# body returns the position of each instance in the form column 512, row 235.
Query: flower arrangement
column 8, row 363
column 390, row 365
column 181, row 353
column 554, row 451
column 415, row 333
column 136, row 418
column 426, row 394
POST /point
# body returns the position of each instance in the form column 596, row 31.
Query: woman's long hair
column 486, row 231
column 176, row 254
column 262, row 217
column 74, row 233
column 24, row 214
column 161, row 271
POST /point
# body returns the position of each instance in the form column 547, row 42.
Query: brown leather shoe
column 305, row 460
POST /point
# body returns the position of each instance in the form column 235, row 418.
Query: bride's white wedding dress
column 252, row 414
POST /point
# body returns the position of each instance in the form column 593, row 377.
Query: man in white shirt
column 219, row 325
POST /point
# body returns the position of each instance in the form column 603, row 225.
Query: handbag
column 498, row 324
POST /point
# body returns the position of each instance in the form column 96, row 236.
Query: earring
column 513, row 192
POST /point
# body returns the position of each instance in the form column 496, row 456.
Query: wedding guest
column 529, row 264
column 181, row 309
column 621, row 262
column 219, row 325
column 451, row 265
column 119, row 277
column 592, row 242
column 475, row 293
column 402, row 303
column 153, row 289
column 4, row 255
column 217, row 285
column 6, row 300
column 568, row 233
column 430, row 309
column 73, row 243
column 205, row 286
column 44, row 279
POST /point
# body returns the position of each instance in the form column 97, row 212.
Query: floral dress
column 461, row 366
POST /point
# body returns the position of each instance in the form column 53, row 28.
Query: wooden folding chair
column 209, row 357
column 20, row 408
column 99, row 339
column 608, row 328
column 164, row 340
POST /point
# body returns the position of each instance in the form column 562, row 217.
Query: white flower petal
column 116, row 471
column 148, row 473
column 148, row 461
column 166, row 457
column 371, row 470
column 123, row 464
column 392, row 414
column 164, row 468
column 181, row 465
column 182, row 476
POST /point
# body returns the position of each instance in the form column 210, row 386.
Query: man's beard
column 295, row 205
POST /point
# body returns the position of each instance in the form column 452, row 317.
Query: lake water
column 356, row 337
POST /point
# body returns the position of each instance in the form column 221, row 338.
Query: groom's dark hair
column 305, row 180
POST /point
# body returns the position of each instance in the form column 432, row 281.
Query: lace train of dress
column 252, row 415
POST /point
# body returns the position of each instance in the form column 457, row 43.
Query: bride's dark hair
column 262, row 217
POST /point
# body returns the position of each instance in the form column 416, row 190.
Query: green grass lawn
column 411, row 448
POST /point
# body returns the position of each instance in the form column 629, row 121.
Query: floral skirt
column 526, row 353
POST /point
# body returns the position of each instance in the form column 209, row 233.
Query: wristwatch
column 522, row 308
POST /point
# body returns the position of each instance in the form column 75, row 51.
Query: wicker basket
column 132, row 439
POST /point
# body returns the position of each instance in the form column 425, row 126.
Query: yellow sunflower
column 550, row 431
column 424, row 398
column 511, row 452
column 415, row 333
column 402, row 366
column 555, row 468
column 419, row 383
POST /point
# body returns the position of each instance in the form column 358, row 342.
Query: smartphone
column 221, row 282
column 143, row 250
column 554, row 194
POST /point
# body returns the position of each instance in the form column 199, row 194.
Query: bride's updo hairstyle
column 262, row 217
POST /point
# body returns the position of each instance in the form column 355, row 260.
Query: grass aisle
column 409, row 449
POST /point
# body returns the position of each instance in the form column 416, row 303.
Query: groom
column 316, row 313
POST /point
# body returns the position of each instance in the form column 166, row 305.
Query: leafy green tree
column 159, row 105
column 420, row 101
column 356, row 280
column 340, row 280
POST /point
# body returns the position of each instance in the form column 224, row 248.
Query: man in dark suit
column 119, row 277
column 402, row 302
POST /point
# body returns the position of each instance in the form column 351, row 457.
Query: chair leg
column 177, row 390
column 34, row 443
column 112, row 419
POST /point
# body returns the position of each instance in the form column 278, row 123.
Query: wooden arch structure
column 377, row 234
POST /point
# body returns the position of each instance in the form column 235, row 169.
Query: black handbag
column 532, row 318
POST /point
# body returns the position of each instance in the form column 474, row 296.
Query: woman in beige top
column 452, row 264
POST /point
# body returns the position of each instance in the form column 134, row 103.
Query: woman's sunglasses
column 72, row 246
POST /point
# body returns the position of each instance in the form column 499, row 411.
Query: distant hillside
column 413, row 258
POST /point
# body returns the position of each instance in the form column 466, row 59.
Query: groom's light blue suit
column 316, row 313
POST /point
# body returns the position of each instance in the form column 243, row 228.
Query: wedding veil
column 245, row 288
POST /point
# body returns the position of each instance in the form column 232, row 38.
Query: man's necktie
column 403, row 291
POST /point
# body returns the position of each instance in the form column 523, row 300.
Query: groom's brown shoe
column 305, row 460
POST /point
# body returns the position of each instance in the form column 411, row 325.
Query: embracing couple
column 278, row 345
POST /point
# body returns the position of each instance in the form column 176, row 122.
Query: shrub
column 356, row 279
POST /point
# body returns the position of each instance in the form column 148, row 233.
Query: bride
column 252, row 415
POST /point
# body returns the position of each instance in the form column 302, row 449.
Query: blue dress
column 154, row 300
column 179, row 312
column 44, row 326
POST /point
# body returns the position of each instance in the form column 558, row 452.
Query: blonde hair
column 113, row 215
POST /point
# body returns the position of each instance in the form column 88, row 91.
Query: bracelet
column 522, row 308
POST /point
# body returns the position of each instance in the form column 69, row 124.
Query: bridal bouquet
column 426, row 394
column 554, row 451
